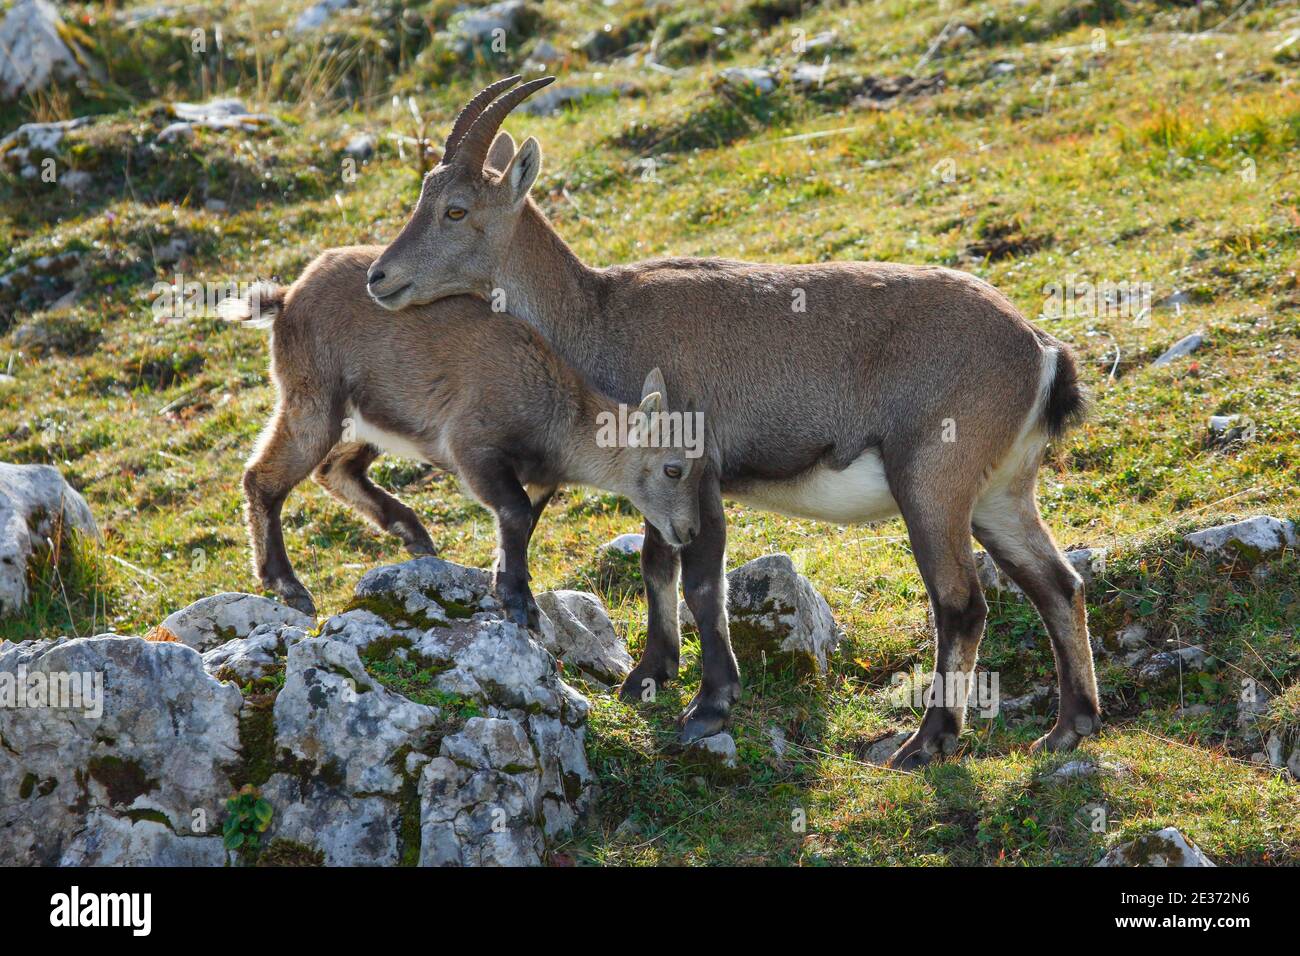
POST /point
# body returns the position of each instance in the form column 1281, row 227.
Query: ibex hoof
column 1067, row 733
column 705, row 716
column 295, row 595
column 920, row 749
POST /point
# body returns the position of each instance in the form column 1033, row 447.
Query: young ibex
column 477, row 393
column 848, row 392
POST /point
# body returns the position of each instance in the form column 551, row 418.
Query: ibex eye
column 673, row 471
column 455, row 212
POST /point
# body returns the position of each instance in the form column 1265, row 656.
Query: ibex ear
column 502, row 151
column 522, row 170
column 654, row 386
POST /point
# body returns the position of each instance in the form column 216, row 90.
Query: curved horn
column 473, row 149
column 466, row 117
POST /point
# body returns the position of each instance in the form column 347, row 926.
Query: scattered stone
column 36, row 505
column 780, row 744
column 543, row 54
column 553, row 99
column 774, row 610
column 361, row 146
column 477, row 26
column 1253, row 705
column 42, row 283
column 50, row 333
column 220, row 114
column 627, row 831
column 806, row 75
column 879, row 751
column 108, row 840
column 258, row 655
column 1194, row 710
column 1184, row 346
column 36, row 50
column 718, row 751
column 1228, row 431
column 960, row 39
column 1173, row 300
column 318, row 13
column 431, row 589
column 883, row 92
column 584, row 635
column 32, row 140
column 1034, row 702
column 749, row 78
column 1075, row 769
column 1002, row 68
column 76, row 181
column 1133, row 637
column 1166, row 664
column 1168, row 847
column 626, row 544
column 214, row 620
column 1253, row 539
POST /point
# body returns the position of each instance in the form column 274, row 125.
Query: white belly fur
column 385, row 441
column 857, row 495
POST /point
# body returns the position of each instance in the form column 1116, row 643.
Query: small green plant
column 250, row 815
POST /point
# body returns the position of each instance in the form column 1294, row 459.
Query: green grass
column 1163, row 158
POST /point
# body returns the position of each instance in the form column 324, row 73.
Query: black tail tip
column 1067, row 403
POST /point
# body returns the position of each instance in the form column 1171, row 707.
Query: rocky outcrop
column 417, row 726
column 212, row 621
column 128, row 747
column 36, row 505
column 774, row 610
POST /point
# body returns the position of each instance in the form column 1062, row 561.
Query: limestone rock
column 446, row 742
column 1167, row 847
column 35, row 505
column 774, row 609
column 214, row 620
column 36, row 50
column 71, row 782
column 1253, row 539
column 626, row 544
column 584, row 635
column 1183, row 347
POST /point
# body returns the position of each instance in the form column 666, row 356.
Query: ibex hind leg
column 291, row 446
column 343, row 475
column 1007, row 523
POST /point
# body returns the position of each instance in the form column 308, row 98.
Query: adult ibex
column 847, row 392
column 478, row 393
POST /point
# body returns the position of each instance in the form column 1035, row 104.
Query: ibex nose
column 374, row 275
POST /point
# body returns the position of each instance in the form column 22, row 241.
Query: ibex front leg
column 493, row 482
column 660, row 569
column 704, row 583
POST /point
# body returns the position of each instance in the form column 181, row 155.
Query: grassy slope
column 1124, row 164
